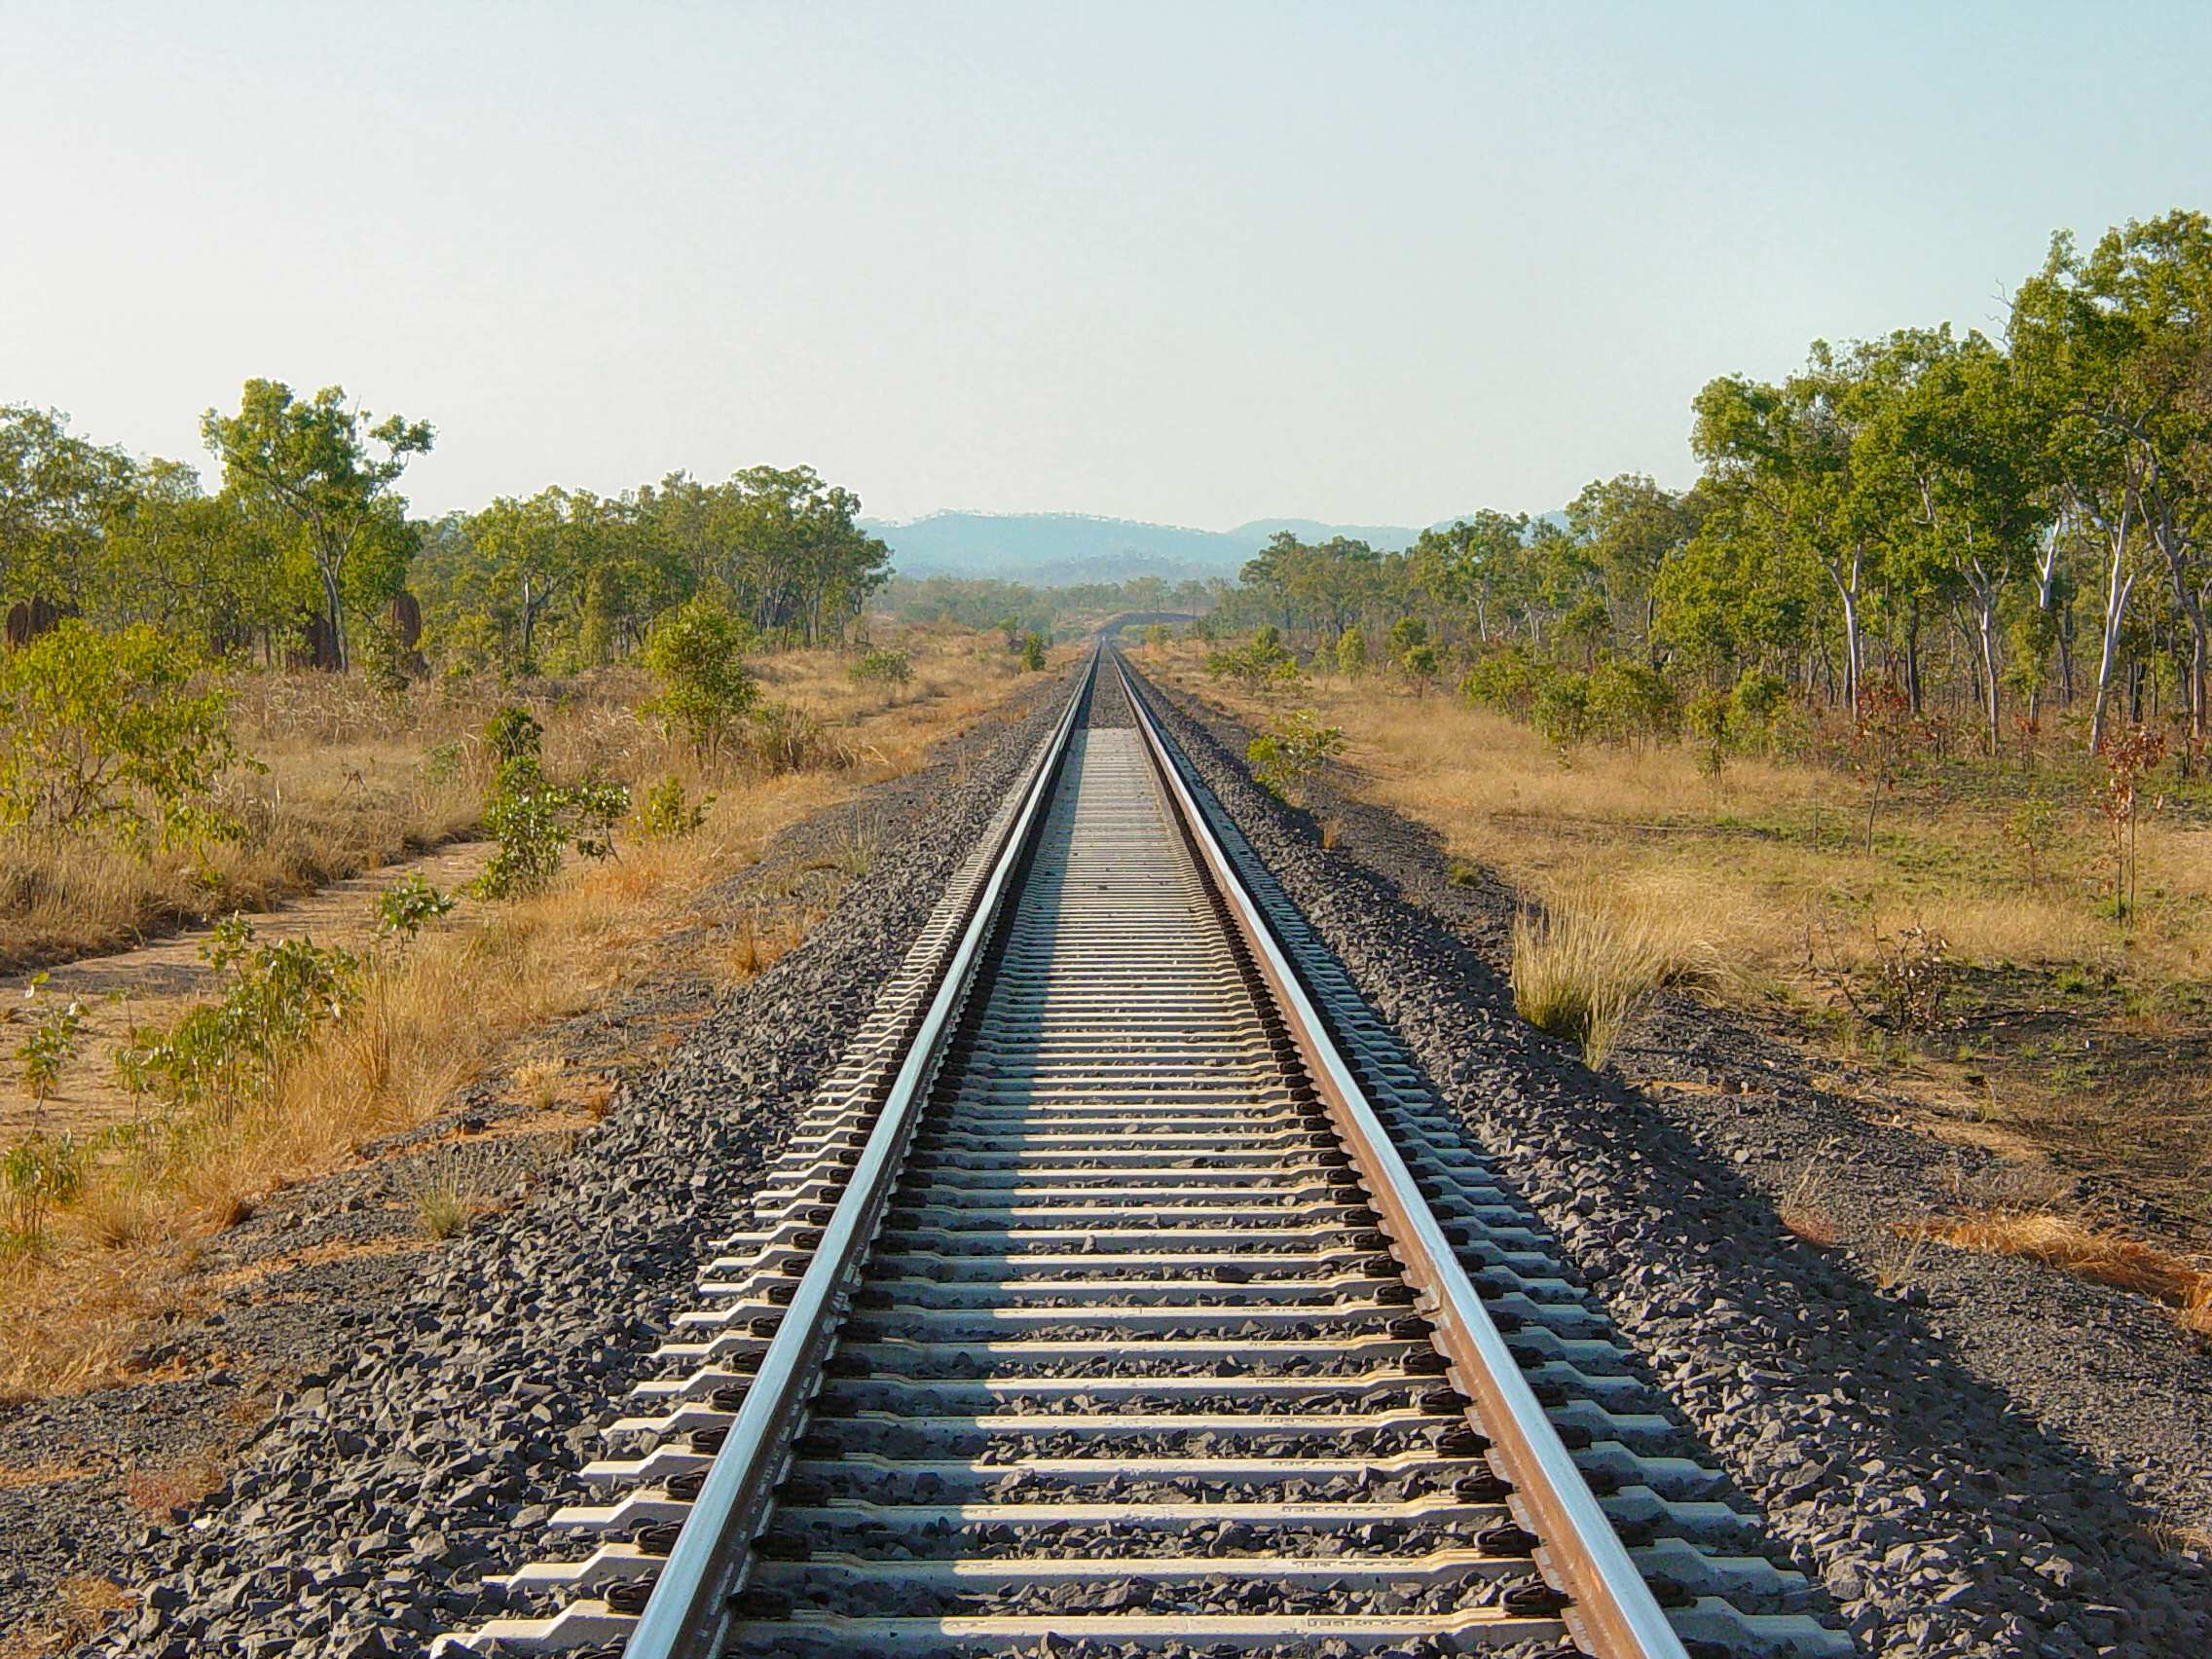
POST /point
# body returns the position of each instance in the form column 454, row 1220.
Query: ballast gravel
column 443, row 1429
column 1891, row 1438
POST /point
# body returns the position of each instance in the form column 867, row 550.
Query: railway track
column 1128, row 1292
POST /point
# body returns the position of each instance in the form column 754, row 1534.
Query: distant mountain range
column 1061, row 549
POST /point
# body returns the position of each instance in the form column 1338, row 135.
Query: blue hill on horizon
column 1047, row 549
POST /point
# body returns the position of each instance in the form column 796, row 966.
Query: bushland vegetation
column 2012, row 535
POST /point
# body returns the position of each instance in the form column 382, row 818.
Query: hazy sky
column 1192, row 262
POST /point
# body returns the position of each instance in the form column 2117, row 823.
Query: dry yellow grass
column 173, row 1486
column 1586, row 962
column 83, row 1604
column 2089, row 1251
column 353, row 779
column 443, row 1013
column 2071, row 1040
column 1776, row 855
column 1800, row 1211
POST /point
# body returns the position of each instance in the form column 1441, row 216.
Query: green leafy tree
column 58, row 495
column 329, row 468
column 2111, row 347
column 535, row 555
column 1562, row 709
column 1508, row 679
column 1420, row 666
column 1351, row 653
column 1626, row 701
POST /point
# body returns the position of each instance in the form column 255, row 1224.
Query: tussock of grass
column 445, row 1207
column 82, row 1603
column 1801, row 1214
column 163, row 1491
column 1585, row 964
column 538, row 1082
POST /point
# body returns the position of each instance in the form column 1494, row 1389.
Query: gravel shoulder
column 1976, row 1455
column 356, row 1423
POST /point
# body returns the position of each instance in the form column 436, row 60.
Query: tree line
column 2000, row 525
column 305, row 552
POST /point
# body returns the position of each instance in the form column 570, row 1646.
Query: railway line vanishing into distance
column 1127, row 1291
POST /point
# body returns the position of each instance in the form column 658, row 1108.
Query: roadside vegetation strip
column 101, row 1228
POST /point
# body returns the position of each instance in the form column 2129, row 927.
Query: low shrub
column 696, row 654
column 882, row 668
column 407, row 905
column 1630, row 702
column 279, row 997
column 1286, row 758
column 536, row 822
column 122, row 731
column 668, row 813
column 1261, row 666
column 1507, row 681
column 37, row 1176
column 1562, row 709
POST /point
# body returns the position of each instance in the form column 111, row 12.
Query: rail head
column 1613, row 1613
column 690, row 1612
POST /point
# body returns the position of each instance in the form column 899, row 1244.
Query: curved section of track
column 1127, row 1302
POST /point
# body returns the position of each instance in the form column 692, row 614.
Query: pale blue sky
column 1200, row 263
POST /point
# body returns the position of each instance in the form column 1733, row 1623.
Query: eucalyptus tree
column 331, row 470
column 1477, row 565
column 1948, row 461
column 200, row 566
column 534, row 553
column 2116, row 345
column 1780, row 456
column 1632, row 526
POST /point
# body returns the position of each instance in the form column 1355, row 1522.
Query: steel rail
column 690, row 1612
column 1613, row 1613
